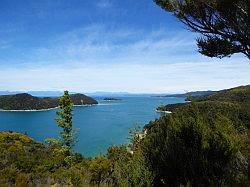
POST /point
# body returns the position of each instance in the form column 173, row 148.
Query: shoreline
column 43, row 110
column 163, row 111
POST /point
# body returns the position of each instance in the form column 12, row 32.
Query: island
column 27, row 102
column 111, row 99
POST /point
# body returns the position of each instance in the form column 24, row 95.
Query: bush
column 183, row 149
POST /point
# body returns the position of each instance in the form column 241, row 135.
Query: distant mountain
column 46, row 93
column 26, row 101
column 111, row 99
column 110, row 94
column 59, row 93
column 8, row 92
column 35, row 93
column 193, row 94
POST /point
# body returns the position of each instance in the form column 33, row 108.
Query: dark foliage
column 224, row 24
column 183, row 149
column 170, row 107
column 29, row 102
column 64, row 121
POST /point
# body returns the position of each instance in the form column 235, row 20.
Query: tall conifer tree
column 64, row 121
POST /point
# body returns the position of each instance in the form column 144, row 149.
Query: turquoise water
column 100, row 126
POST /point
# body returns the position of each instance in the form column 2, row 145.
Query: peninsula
column 28, row 102
column 230, row 102
column 188, row 94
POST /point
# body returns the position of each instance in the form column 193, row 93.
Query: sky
column 106, row 45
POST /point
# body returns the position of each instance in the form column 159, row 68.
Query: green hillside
column 239, row 94
column 25, row 162
column 234, row 103
column 28, row 102
column 201, row 143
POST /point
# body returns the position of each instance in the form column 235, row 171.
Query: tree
column 183, row 149
column 223, row 24
column 65, row 122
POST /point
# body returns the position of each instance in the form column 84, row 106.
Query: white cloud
column 103, row 58
column 137, row 78
column 101, row 43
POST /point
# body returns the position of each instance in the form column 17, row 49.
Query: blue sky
column 105, row 45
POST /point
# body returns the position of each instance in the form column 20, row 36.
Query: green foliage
column 182, row 148
column 129, row 168
column 202, row 143
column 23, row 160
column 217, row 47
column 233, row 103
column 223, row 24
column 189, row 98
column 28, row 102
column 65, row 122
column 21, row 157
column 21, row 180
column 170, row 107
column 100, row 169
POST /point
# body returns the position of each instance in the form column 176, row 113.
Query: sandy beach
column 42, row 110
column 162, row 111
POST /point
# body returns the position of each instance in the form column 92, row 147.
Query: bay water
column 100, row 126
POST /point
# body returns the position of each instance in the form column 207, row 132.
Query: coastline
column 43, row 110
column 32, row 110
column 163, row 111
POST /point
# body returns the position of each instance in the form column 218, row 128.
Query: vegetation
column 29, row 102
column 202, row 143
column 185, row 149
column 81, row 99
column 239, row 94
column 223, row 24
column 233, row 103
column 68, row 135
column 24, row 162
column 170, row 107
column 182, row 140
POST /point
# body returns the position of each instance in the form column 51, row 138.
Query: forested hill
column 26, row 101
column 234, row 103
column 204, row 140
column 238, row 94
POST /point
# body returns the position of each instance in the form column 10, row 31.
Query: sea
column 100, row 126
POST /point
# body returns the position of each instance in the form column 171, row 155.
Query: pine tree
column 224, row 25
column 64, row 121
